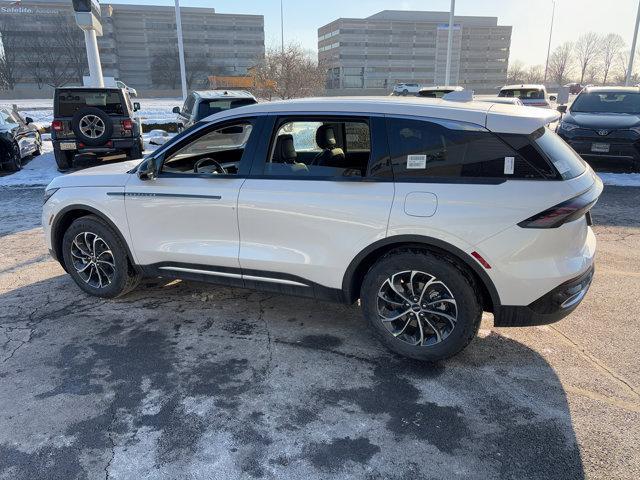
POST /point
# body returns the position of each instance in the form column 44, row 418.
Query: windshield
column 523, row 93
column 607, row 102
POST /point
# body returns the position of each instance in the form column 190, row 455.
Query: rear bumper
column 549, row 308
column 117, row 145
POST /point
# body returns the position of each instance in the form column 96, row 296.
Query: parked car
column 19, row 138
column 406, row 88
column 603, row 123
column 94, row 121
column 574, row 88
column 201, row 104
column 130, row 90
column 438, row 91
column 530, row 95
column 507, row 100
column 428, row 212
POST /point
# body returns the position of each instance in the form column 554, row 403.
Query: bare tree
column 587, row 50
column 534, row 74
column 288, row 73
column 561, row 62
column 197, row 71
column 9, row 60
column 70, row 41
column 516, row 72
column 32, row 61
column 166, row 68
column 622, row 64
column 612, row 46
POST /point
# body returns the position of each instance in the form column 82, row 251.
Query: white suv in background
column 427, row 211
column 529, row 95
column 406, row 88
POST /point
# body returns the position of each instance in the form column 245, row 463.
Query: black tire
column 64, row 159
column 12, row 160
column 405, row 92
column 466, row 305
column 122, row 278
column 136, row 151
column 87, row 140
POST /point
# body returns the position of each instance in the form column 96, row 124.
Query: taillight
column 56, row 125
column 127, row 124
column 564, row 212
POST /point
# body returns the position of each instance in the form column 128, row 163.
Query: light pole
column 88, row 16
column 633, row 48
column 447, row 72
column 546, row 67
column 183, row 74
column 281, row 26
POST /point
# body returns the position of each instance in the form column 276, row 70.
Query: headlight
column 567, row 127
column 48, row 194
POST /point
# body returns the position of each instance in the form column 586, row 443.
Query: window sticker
column 509, row 165
column 415, row 162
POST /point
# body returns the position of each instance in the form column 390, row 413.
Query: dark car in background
column 19, row 138
column 574, row 88
column 201, row 104
column 603, row 123
column 95, row 122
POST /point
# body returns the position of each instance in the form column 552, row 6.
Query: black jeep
column 98, row 122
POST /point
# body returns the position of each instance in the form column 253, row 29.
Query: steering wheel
column 217, row 167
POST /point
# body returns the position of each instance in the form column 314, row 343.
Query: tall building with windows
column 138, row 45
column 395, row 46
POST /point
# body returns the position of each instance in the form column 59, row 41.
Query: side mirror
column 176, row 110
column 147, row 169
column 136, row 106
column 562, row 108
column 553, row 98
column 28, row 120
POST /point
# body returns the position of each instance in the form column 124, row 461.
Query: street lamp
column 88, row 19
column 183, row 74
column 447, row 72
column 633, row 48
column 546, row 67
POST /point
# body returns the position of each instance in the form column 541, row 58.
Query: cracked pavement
column 181, row 380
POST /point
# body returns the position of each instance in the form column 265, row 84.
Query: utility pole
column 546, row 67
column 281, row 27
column 88, row 16
column 93, row 58
column 447, row 73
column 633, row 48
column 183, row 74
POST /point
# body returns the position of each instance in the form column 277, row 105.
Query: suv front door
column 185, row 219
column 319, row 192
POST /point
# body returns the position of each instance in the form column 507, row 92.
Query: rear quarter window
column 424, row 150
column 564, row 158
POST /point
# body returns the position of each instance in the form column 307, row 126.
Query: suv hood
column 602, row 120
column 111, row 175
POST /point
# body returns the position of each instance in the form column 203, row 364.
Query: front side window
column 446, row 149
column 323, row 148
column 216, row 152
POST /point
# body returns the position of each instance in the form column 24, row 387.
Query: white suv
column 427, row 211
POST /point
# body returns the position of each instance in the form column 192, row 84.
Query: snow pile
column 39, row 171
column 620, row 179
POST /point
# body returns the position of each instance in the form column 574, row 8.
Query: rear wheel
column 12, row 159
column 136, row 151
column 64, row 159
column 96, row 258
column 421, row 306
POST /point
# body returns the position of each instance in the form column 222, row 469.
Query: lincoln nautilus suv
column 427, row 212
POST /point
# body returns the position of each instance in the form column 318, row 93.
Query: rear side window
column 523, row 93
column 444, row 149
column 70, row 101
column 564, row 158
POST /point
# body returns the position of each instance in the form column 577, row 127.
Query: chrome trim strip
column 274, row 280
column 204, row 272
column 163, row 195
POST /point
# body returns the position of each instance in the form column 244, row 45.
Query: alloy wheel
column 92, row 126
column 417, row 308
column 93, row 259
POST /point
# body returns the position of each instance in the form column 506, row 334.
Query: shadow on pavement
column 182, row 380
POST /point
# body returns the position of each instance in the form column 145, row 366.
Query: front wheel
column 12, row 160
column 96, row 258
column 421, row 306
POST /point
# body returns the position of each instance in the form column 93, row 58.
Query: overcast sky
column 530, row 18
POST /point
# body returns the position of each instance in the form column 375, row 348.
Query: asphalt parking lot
column 188, row 381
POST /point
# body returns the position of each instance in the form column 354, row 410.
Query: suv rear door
column 305, row 212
